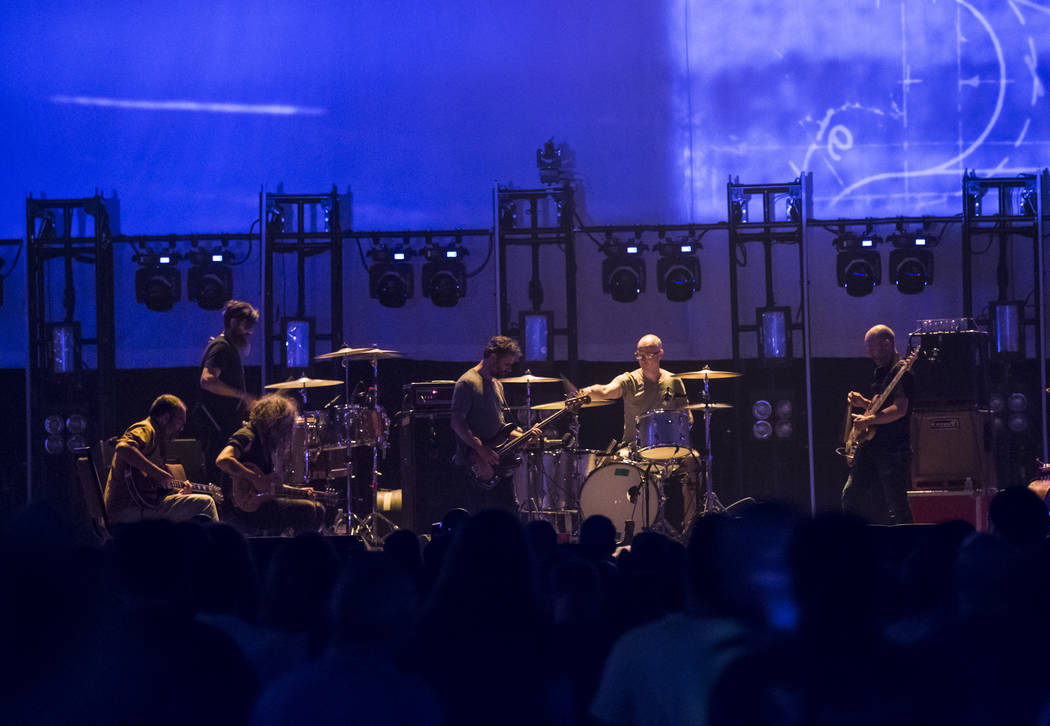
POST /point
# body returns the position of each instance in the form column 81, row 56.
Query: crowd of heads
column 763, row 617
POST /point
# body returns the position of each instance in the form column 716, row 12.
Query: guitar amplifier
column 427, row 396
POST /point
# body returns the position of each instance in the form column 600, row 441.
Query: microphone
column 668, row 395
column 566, row 439
column 632, row 493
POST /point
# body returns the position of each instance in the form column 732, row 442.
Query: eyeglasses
column 639, row 355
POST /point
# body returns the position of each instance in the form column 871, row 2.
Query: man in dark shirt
column 255, row 457
column 877, row 487
column 222, row 375
column 478, row 408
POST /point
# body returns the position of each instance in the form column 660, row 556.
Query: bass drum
column 617, row 491
column 550, row 480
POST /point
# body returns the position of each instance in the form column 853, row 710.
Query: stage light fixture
column 738, row 202
column 761, row 409
column 298, row 339
column 390, row 277
column 209, row 280
column 858, row 266
column 158, row 283
column 678, row 270
column 762, row 429
column 444, row 275
column 911, row 262
column 65, row 347
column 774, row 333
column 1007, row 323
column 623, row 270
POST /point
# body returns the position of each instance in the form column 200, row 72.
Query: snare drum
column 550, row 480
column 617, row 491
column 664, row 434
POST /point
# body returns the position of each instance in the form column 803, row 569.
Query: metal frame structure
column 303, row 244
column 50, row 236
column 537, row 235
column 1002, row 225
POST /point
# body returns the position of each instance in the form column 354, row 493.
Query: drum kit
column 558, row 481
column 325, row 439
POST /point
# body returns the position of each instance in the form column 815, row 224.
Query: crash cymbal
column 707, row 373
column 707, row 406
column 558, row 405
column 303, row 382
column 529, row 378
column 359, row 354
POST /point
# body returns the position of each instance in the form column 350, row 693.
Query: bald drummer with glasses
column 648, row 388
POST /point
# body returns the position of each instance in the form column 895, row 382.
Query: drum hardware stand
column 368, row 527
column 710, row 504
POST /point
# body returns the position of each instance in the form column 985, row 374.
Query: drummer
column 648, row 388
column 651, row 388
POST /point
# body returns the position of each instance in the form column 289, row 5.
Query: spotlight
column 623, row 270
column 508, row 214
column 390, row 278
column 783, row 429
column 54, row 425
column 678, row 270
column 974, row 194
column 444, row 276
column 76, row 423
column 738, row 206
column 158, row 283
column 761, row 409
column 548, row 161
column 911, row 263
column 858, row 266
column 1017, row 403
column 1017, row 423
column 762, row 429
column 209, row 281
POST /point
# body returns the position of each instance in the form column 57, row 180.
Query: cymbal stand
column 533, row 464
column 368, row 527
column 711, row 504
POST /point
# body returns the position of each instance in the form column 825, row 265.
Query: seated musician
column 254, row 459
column 649, row 388
column 139, row 486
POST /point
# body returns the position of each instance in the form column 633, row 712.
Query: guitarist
column 877, row 487
column 143, row 447
column 478, row 416
column 254, row 458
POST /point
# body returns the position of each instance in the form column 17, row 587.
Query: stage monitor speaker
column 932, row 507
column 430, row 484
column 950, row 370
column 948, row 447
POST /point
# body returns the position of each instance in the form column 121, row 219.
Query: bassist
column 877, row 487
column 478, row 417
column 131, row 497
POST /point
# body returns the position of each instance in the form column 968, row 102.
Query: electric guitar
column 487, row 476
column 853, row 437
column 248, row 497
column 149, row 493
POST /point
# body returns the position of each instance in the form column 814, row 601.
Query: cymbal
column 359, row 354
column 707, row 406
column 558, row 405
column 303, row 382
column 529, row 378
column 707, row 373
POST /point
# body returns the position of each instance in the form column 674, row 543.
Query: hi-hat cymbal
column 529, row 378
column 707, row 373
column 558, row 405
column 303, row 382
column 707, row 406
column 360, row 354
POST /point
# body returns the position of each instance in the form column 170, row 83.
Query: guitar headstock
column 912, row 357
column 577, row 402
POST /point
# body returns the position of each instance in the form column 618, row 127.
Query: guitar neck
column 515, row 443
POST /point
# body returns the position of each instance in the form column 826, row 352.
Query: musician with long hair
column 255, row 458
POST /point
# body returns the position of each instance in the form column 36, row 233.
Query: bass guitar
column 487, row 476
column 149, row 493
column 248, row 497
column 854, row 437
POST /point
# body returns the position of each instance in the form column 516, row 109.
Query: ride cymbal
column 529, row 378
column 359, row 354
column 707, row 373
column 558, row 405
column 707, row 406
column 303, row 382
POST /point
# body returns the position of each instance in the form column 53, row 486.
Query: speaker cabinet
column 951, row 370
column 430, row 484
column 949, row 447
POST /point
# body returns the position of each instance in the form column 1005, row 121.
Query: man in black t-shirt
column 223, row 391
column 877, row 487
column 255, row 458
